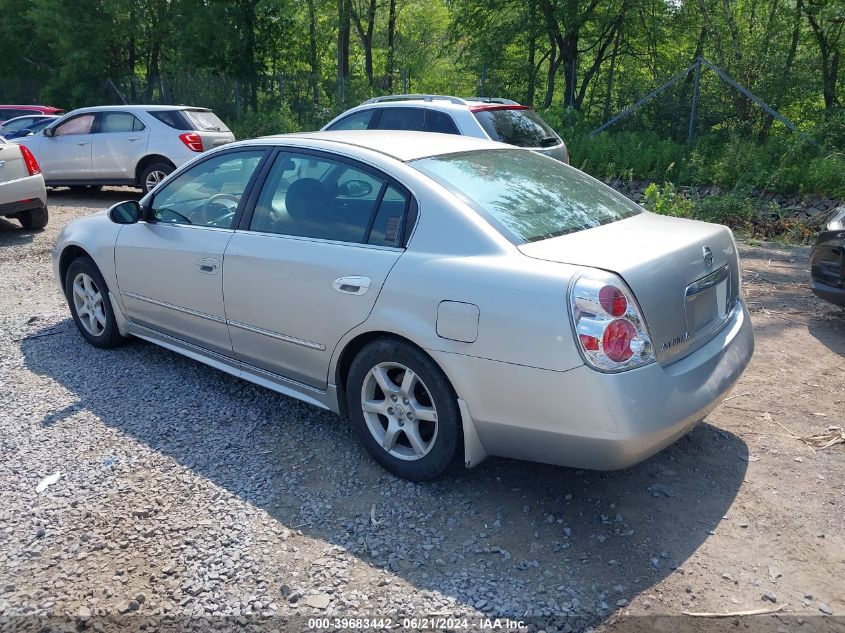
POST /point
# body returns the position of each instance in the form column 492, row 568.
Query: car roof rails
column 492, row 100
column 415, row 97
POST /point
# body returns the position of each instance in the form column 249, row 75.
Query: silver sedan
column 455, row 298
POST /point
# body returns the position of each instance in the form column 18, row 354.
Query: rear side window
column 516, row 126
column 389, row 223
column 205, row 120
column 412, row 119
column 113, row 122
column 171, row 118
column 356, row 121
column 441, row 122
column 525, row 196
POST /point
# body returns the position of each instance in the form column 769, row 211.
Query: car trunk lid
column 683, row 273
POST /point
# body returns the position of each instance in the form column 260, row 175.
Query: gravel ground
column 184, row 492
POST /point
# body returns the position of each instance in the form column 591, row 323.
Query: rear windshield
column 525, row 196
column 205, row 120
column 517, row 126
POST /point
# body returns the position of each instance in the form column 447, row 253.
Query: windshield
column 525, row 196
column 206, row 120
column 518, row 126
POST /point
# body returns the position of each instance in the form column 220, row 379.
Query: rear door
column 308, row 264
column 118, row 143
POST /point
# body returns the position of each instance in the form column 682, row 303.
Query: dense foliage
column 282, row 65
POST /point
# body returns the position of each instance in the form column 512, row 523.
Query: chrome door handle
column 134, row 138
column 208, row 265
column 82, row 143
column 352, row 285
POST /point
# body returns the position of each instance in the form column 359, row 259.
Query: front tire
column 34, row 219
column 404, row 410
column 88, row 298
column 154, row 174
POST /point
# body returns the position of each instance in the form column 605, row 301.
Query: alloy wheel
column 399, row 411
column 88, row 302
column 153, row 178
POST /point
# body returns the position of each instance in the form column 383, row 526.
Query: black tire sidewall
column 167, row 168
column 34, row 219
column 111, row 335
column 448, row 445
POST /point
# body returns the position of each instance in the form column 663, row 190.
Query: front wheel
column 404, row 410
column 88, row 298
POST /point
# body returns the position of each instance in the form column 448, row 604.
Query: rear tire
column 154, row 174
column 409, row 422
column 88, row 298
column 34, row 219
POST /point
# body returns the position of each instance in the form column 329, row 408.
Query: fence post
column 695, row 82
column 483, row 78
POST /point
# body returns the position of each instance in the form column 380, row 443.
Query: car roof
column 138, row 108
column 400, row 144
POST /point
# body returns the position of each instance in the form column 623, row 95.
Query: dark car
column 827, row 260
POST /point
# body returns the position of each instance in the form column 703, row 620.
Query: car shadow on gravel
column 508, row 538
column 13, row 234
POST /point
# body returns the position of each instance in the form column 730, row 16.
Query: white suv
column 500, row 120
column 124, row 145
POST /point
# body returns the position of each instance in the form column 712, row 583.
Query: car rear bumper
column 587, row 419
column 22, row 194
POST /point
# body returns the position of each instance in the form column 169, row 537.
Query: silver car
column 124, row 145
column 23, row 195
column 500, row 120
column 456, row 298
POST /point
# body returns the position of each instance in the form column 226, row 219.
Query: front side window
column 77, row 125
column 209, row 193
column 412, row 119
column 525, row 196
column 112, row 122
column 356, row 121
column 318, row 197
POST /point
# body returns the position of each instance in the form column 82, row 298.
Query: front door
column 66, row 156
column 169, row 267
column 310, row 262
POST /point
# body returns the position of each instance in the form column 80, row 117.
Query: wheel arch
column 70, row 253
column 351, row 348
column 148, row 160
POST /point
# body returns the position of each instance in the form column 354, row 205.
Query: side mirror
column 128, row 212
column 48, row 131
column 24, row 132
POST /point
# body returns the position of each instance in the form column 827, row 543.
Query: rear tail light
column 29, row 161
column 610, row 327
column 192, row 141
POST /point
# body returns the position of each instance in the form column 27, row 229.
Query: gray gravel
column 186, row 492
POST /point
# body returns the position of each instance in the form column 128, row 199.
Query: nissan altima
column 454, row 298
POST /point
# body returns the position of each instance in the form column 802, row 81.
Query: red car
column 11, row 111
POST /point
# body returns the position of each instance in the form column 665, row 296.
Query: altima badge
column 708, row 257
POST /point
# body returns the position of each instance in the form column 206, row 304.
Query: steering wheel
column 164, row 210
column 205, row 211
